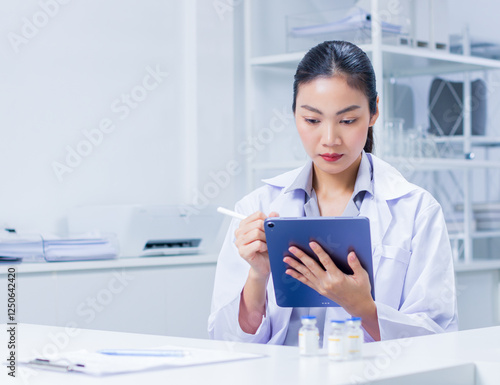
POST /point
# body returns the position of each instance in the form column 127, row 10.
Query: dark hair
column 344, row 59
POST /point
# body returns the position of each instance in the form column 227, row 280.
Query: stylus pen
column 231, row 213
column 145, row 352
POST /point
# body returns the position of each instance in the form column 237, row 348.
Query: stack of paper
column 33, row 248
column 358, row 21
column 77, row 249
column 99, row 364
column 16, row 248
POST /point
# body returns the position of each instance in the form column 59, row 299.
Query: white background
column 65, row 79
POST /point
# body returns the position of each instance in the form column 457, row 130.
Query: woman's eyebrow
column 350, row 108
column 343, row 111
column 311, row 109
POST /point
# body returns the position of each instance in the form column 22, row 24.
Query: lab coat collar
column 388, row 183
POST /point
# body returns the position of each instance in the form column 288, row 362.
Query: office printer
column 150, row 230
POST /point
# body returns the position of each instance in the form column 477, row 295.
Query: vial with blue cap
column 308, row 336
column 336, row 340
column 354, row 338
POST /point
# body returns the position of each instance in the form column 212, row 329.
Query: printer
column 150, row 230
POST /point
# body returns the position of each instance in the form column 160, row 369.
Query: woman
column 335, row 106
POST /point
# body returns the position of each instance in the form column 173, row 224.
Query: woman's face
column 332, row 119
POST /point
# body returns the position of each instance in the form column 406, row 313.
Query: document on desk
column 97, row 364
column 77, row 249
column 14, row 247
column 51, row 248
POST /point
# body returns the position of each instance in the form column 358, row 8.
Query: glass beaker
column 394, row 143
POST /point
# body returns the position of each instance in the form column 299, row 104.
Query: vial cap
column 308, row 320
column 337, row 321
column 353, row 321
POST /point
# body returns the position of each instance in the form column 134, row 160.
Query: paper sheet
column 101, row 364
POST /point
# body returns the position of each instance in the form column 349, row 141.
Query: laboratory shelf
column 417, row 164
column 286, row 60
column 483, row 141
column 407, row 61
column 436, row 164
column 481, row 234
column 477, row 234
column 477, row 265
column 398, row 61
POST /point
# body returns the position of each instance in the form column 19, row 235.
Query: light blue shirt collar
column 364, row 180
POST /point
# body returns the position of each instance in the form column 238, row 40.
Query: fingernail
column 313, row 245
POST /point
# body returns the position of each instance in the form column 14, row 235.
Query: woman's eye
column 312, row 121
column 348, row 121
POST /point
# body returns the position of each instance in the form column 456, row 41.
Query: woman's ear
column 374, row 117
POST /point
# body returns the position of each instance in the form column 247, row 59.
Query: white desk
column 469, row 357
column 157, row 295
column 172, row 295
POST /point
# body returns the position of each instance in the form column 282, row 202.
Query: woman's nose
column 331, row 136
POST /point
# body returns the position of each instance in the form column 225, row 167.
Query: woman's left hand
column 352, row 292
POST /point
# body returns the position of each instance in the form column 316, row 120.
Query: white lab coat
column 412, row 262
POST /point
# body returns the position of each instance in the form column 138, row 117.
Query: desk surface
column 467, row 357
column 177, row 260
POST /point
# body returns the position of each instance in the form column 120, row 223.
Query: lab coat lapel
column 289, row 204
column 377, row 211
column 388, row 185
column 380, row 216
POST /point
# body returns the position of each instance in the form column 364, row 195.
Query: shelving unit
column 389, row 62
column 399, row 61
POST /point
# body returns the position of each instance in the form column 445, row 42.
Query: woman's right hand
column 251, row 243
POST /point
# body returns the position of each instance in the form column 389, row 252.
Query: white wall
column 72, row 73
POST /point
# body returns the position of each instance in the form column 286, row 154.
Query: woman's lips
column 331, row 157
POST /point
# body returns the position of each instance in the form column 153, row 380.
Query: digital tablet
column 336, row 235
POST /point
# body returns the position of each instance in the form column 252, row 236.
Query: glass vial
column 354, row 338
column 308, row 336
column 336, row 340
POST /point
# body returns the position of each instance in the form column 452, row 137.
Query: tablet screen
column 336, row 235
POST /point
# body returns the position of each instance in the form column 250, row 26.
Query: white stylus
column 231, row 213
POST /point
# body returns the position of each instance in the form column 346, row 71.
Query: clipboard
column 98, row 364
column 336, row 235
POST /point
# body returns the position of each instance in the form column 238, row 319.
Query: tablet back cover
column 336, row 235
